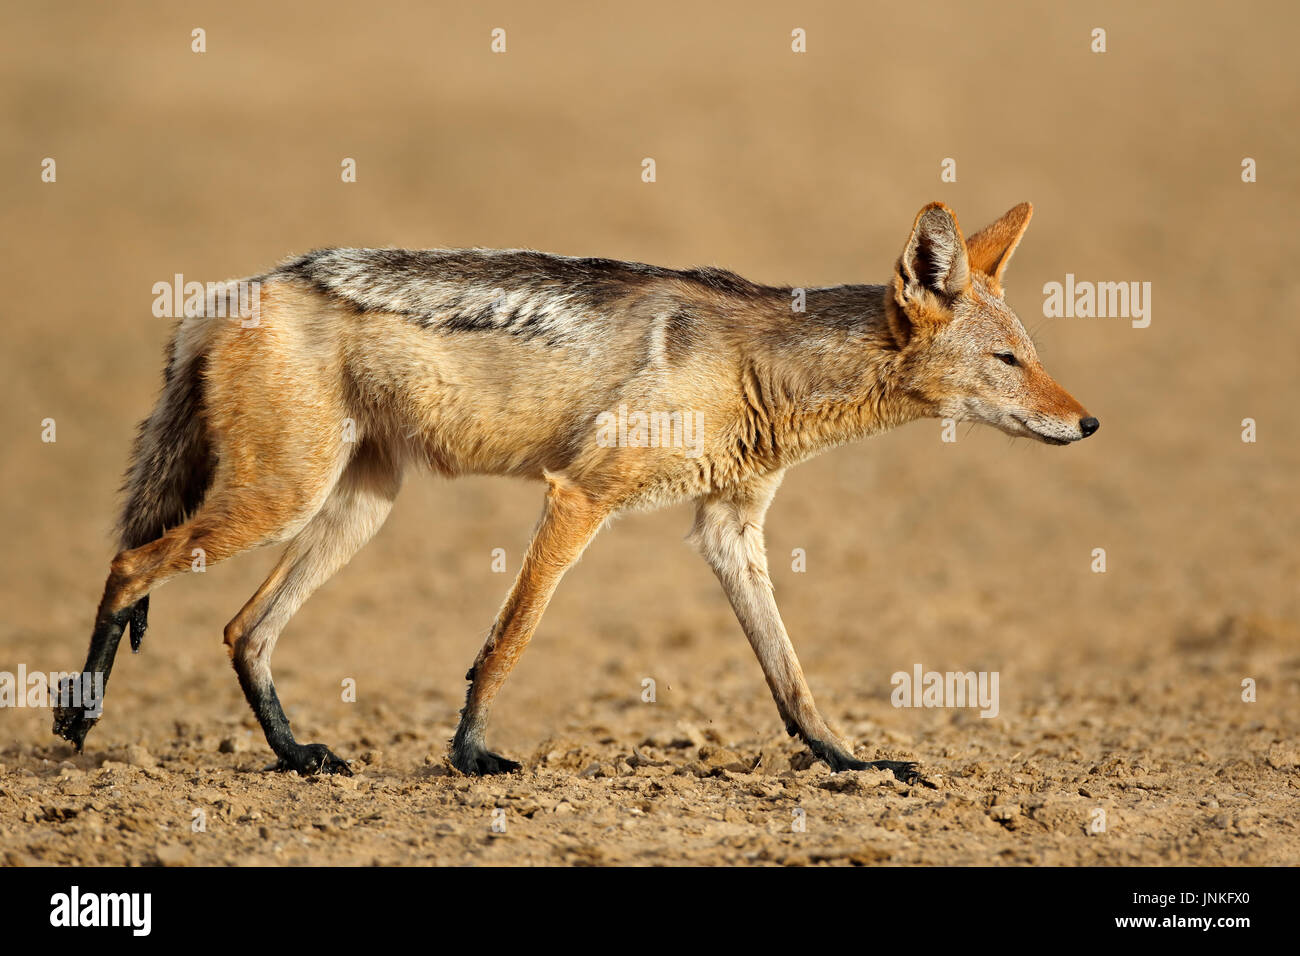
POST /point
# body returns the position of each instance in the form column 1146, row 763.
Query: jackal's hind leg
column 728, row 531
column 79, row 707
column 215, row 530
column 353, row 512
column 139, row 616
column 569, row 521
column 73, row 721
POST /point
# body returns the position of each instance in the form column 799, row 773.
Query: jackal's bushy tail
column 171, row 460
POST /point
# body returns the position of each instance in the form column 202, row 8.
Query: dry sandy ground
column 1120, row 691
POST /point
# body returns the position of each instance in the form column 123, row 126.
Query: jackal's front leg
column 729, row 533
column 569, row 521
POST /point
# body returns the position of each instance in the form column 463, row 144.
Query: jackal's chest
column 661, row 479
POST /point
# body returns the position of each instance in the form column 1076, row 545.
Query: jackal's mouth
column 1045, row 439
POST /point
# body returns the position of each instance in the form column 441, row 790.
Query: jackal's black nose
column 1088, row 426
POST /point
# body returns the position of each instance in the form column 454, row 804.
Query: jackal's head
column 964, row 354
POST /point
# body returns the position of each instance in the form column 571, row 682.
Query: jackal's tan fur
column 299, row 428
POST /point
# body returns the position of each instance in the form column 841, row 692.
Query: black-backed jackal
column 520, row 363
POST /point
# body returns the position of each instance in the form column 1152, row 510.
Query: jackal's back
column 502, row 362
column 561, row 300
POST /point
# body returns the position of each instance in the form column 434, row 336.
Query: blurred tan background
column 803, row 169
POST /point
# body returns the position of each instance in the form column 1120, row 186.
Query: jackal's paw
column 71, row 723
column 904, row 770
column 481, row 762
column 311, row 759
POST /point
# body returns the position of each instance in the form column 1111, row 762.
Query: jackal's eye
column 1006, row 358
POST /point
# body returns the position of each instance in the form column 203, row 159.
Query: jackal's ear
column 934, row 259
column 991, row 248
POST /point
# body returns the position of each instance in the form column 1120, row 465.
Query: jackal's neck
column 827, row 375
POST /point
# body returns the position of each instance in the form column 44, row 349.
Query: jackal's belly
column 614, row 448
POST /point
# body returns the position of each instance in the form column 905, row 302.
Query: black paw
column 479, row 762
column 72, row 723
column 311, row 759
column 838, row 760
column 904, row 770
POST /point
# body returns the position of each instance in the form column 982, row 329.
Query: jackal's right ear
column 990, row 249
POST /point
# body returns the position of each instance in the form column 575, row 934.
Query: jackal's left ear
column 934, row 259
column 990, row 249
